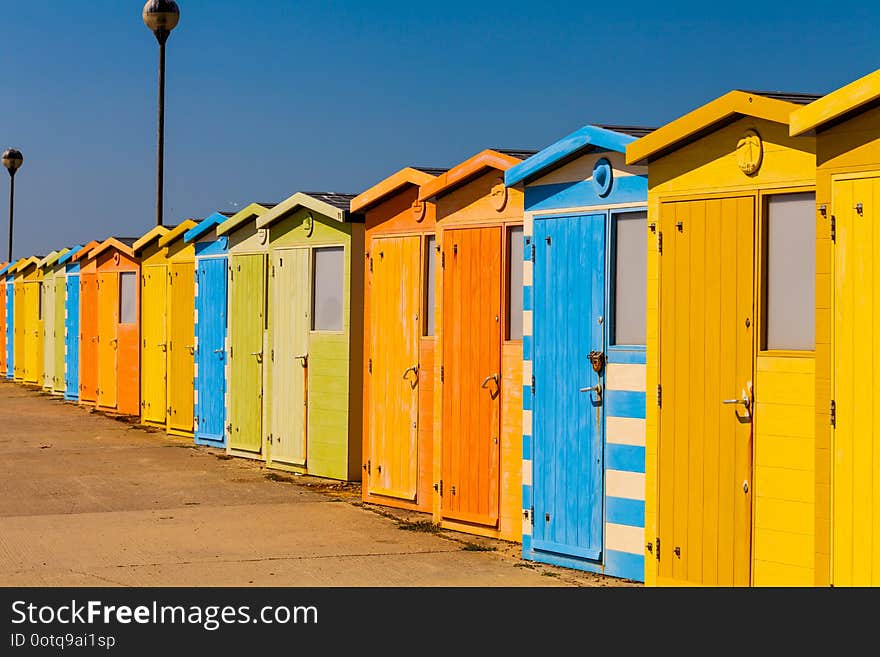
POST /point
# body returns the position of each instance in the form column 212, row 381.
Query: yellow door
column 34, row 342
column 289, row 369
column 395, row 283
column 108, row 293
column 706, row 358
column 855, row 516
column 154, row 344
column 181, row 362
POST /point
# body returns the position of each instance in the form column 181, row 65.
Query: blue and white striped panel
column 528, row 305
column 196, row 348
column 625, row 470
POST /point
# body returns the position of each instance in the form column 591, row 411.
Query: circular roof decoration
column 262, row 235
column 498, row 194
column 309, row 224
column 749, row 152
column 419, row 210
column 603, row 177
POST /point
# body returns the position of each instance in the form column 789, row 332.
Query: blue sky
column 268, row 97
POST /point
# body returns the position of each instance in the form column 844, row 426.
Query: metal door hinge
column 443, row 260
column 371, row 264
column 272, row 355
column 823, row 209
column 229, row 427
column 660, row 242
column 659, row 396
column 833, row 228
column 833, row 413
column 273, row 271
column 370, row 365
column 442, row 373
column 533, row 384
column 455, row 249
column 369, row 467
column 657, row 543
column 269, row 438
column 533, row 252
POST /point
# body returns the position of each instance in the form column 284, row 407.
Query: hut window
column 790, row 257
column 127, row 297
column 327, row 284
column 515, row 283
column 629, row 296
column 430, row 283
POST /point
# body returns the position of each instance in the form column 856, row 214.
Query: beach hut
column 209, row 380
column 4, row 319
column 20, row 317
column 8, row 282
column 400, row 266
column 59, row 276
column 32, row 287
column 478, row 364
column 118, row 273
column 71, row 321
column 88, row 325
column 730, row 482
column 846, row 125
column 48, row 307
column 248, row 249
column 168, row 344
column 315, row 298
column 585, row 250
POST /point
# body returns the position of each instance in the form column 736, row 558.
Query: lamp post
column 161, row 16
column 12, row 159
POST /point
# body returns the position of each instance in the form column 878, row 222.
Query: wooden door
column 71, row 348
column 154, row 343
column 58, row 329
column 47, row 308
column 707, row 355
column 181, row 346
column 9, row 309
column 34, row 335
column 569, row 309
column 19, row 323
column 246, row 326
column 88, row 341
column 108, row 340
column 472, row 284
column 855, row 516
column 395, row 283
column 288, row 424
column 211, row 349
column 3, row 328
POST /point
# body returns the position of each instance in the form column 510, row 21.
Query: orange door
column 88, row 339
column 108, row 341
column 472, row 277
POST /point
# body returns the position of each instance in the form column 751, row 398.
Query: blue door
column 569, row 308
column 211, row 353
column 71, row 338
column 10, row 330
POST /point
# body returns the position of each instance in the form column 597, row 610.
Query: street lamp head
column 161, row 16
column 12, row 159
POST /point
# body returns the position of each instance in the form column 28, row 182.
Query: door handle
column 192, row 349
column 491, row 377
column 163, row 346
column 414, row 369
column 219, row 351
column 598, row 390
column 745, row 402
column 304, row 358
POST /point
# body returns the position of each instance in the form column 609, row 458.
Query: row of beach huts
column 650, row 353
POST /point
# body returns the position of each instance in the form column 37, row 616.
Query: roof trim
column 147, row 238
column 252, row 211
column 25, row 263
column 112, row 243
column 211, row 221
column 4, row 268
column 302, row 200
column 70, row 253
column 390, row 185
column 464, row 171
column 83, row 253
column 836, row 105
column 49, row 260
column 685, row 129
column 564, row 150
column 177, row 232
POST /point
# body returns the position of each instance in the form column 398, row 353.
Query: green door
column 246, row 324
column 289, row 356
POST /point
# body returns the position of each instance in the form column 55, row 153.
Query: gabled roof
column 472, row 167
column 590, row 137
column 123, row 244
column 13, row 267
column 177, row 232
column 396, row 181
column 771, row 106
column 70, row 253
column 330, row 204
column 25, row 263
column 837, row 106
column 4, row 268
column 85, row 251
column 205, row 225
column 154, row 234
column 252, row 211
column 48, row 260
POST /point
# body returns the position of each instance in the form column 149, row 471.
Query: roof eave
column 112, row 243
column 834, row 106
column 390, row 186
column 677, row 133
column 465, row 171
column 203, row 227
column 301, row 200
column 148, row 238
column 176, row 234
column 252, row 211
